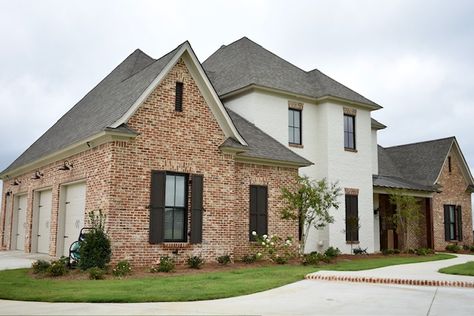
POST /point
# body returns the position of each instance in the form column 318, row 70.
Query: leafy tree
column 95, row 249
column 309, row 203
column 407, row 215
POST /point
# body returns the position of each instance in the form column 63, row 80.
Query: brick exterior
column 453, row 192
column 118, row 177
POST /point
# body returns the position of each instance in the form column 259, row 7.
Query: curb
column 464, row 284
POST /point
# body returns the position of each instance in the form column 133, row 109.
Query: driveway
column 306, row 297
column 19, row 259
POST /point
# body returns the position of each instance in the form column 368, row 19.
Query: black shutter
column 179, row 97
column 262, row 201
column 196, row 208
column 355, row 217
column 446, row 223
column 459, row 221
column 253, row 211
column 348, row 214
column 157, row 206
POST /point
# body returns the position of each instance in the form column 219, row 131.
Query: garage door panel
column 21, row 222
column 44, row 221
column 75, row 204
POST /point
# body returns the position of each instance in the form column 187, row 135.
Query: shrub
column 280, row 260
column 195, row 262
column 471, row 248
column 411, row 251
column 57, row 268
column 332, row 252
column 424, row 251
column 165, row 264
column 95, row 248
column 396, row 251
column 96, row 273
column 312, row 258
column 249, row 258
column 40, row 266
column 387, row 252
column 224, row 260
column 274, row 247
column 465, row 247
column 359, row 251
column 453, row 248
column 122, row 269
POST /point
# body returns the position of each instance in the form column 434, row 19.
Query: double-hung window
column 175, row 220
column 294, row 126
column 349, row 132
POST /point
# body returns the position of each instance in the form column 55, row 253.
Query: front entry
column 388, row 233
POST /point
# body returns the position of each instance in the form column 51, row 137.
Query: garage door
column 44, row 219
column 20, row 217
column 74, row 209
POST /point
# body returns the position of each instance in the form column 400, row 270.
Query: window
column 294, row 126
column 258, row 210
column 178, row 104
column 175, row 207
column 349, row 132
column 453, row 222
column 352, row 218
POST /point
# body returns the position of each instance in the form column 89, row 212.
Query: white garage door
column 44, row 220
column 21, row 222
column 75, row 204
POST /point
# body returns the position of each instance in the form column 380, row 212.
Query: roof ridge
column 420, row 142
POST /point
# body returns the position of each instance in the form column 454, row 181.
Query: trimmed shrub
column 40, row 266
column 95, row 248
column 453, row 248
column 387, row 252
column 57, row 268
column 195, row 262
column 312, row 259
column 165, row 264
column 122, row 269
column 396, row 251
column 280, row 260
column 471, row 248
column 250, row 258
column 224, row 260
column 332, row 252
column 96, row 273
column 466, row 247
column 421, row 251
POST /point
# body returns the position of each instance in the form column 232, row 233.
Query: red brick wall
column 454, row 192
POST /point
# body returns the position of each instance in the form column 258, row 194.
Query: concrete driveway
column 306, row 297
column 18, row 259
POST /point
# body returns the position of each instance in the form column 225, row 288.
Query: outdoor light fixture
column 66, row 166
column 8, row 193
column 376, row 211
column 16, row 182
column 37, row 175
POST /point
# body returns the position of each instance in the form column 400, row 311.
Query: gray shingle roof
column 104, row 105
column 260, row 144
column 414, row 164
column 245, row 63
column 397, row 183
column 376, row 124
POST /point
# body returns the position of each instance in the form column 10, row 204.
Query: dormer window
column 178, row 104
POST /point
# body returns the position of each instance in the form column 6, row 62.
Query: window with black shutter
column 452, row 222
column 179, row 97
column 352, row 218
column 258, row 210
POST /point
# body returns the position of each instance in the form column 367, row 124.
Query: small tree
column 407, row 215
column 95, row 249
column 309, row 204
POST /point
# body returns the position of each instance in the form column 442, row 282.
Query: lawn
column 460, row 269
column 19, row 285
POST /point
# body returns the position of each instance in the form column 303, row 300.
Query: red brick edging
column 389, row 280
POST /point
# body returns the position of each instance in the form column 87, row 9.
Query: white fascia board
column 215, row 103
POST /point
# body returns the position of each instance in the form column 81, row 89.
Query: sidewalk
column 425, row 273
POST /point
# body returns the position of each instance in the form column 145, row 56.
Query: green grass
column 460, row 269
column 19, row 285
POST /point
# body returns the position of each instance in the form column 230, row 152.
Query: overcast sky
column 415, row 58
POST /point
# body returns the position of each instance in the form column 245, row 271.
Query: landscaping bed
column 212, row 281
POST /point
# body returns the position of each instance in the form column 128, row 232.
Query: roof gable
column 245, row 63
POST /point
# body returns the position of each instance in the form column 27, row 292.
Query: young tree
column 353, row 225
column 309, row 204
column 407, row 215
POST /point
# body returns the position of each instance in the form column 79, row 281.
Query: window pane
column 350, row 140
column 346, row 128
column 451, row 214
column 297, row 136
column 297, row 118
column 180, row 191
column 291, row 135
column 451, row 231
column 178, row 224
column 290, row 117
column 169, row 193
column 168, row 223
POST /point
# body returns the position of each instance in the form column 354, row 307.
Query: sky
column 415, row 58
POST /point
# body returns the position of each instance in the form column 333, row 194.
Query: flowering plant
column 274, row 248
